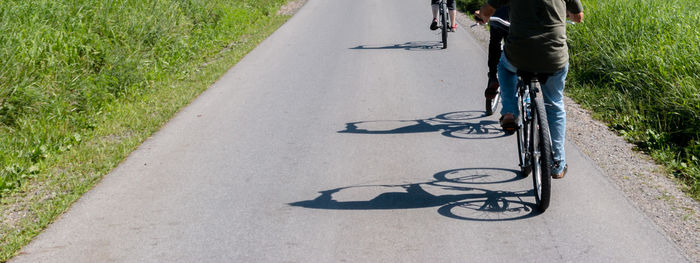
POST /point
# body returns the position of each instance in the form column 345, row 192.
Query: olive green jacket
column 537, row 38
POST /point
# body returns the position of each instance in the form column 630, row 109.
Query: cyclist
column 452, row 9
column 537, row 43
column 499, row 30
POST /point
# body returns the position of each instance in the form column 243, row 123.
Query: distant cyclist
column 500, row 22
column 536, row 42
column 451, row 6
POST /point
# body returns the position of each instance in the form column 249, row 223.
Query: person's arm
column 574, row 10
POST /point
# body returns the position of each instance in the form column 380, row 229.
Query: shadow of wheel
column 500, row 209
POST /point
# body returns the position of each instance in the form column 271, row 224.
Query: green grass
column 469, row 6
column 636, row 64
column 83, row 83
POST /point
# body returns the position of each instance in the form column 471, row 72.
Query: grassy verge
column 636, row 65
column 83, row 83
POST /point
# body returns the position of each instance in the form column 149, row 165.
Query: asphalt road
column 347, row 136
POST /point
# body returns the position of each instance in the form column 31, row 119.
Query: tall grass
column 469, row 6
column 62, row 63
column 83, row 83
column 636, row 63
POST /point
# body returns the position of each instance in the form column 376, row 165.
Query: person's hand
column 478, row 18
column 482, row 15
column 576, row 18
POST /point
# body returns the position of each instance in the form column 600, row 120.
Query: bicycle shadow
column 456, row 193
column 461, row 125
column 411, row 46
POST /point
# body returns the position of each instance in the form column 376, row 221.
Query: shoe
column 454, row 27
column 508, row 123
column 433, row 25
column 491, row 89
column 561, row 175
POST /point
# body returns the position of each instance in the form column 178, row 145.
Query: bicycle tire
column 542, row 162
column 492, row 104
column 443, row 23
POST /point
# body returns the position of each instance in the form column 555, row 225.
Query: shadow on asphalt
column 461, row 125
column 460, row 194
column 412, row 46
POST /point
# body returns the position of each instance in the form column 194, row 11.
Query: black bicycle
column 444, row 21
column 534, row 142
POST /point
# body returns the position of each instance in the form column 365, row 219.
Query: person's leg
column 496, row 36
column 508, row 81
column 553, row 94
column 452, row 9
column 435, row 9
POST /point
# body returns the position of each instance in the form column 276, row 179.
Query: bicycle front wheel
column 492, row 104
column 541, row 148
column 444, row 26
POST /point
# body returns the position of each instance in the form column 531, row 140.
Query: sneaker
column 562, row 173
column 508, row 123
column 433, row 25
column 491, row 89
column 454, row 27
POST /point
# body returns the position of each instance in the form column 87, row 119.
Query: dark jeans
column 497, row 35
column 451, row 4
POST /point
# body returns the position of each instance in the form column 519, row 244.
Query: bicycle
column 444, row 21
column 534, row 141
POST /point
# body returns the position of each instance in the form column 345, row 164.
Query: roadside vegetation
column 636, row 65
column 84, row 82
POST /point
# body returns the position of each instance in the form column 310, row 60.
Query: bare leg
column 453, row 15
column 435, row 11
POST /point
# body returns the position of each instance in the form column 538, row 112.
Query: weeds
column 65, row 62
column 83, row 83
column 636, row 63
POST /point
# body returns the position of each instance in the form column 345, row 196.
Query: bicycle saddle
column 528, row 76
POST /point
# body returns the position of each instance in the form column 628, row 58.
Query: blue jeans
column 553, row 94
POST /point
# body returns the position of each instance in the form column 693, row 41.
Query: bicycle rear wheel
column 541, row 148
column 444, row 25
column 522, row 133
column 523, row 143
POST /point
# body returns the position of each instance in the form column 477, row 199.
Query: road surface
column 347, row 136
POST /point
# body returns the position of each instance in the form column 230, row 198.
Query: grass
column 83, row 83
column 636, row 65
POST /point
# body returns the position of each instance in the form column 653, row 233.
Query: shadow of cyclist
column 471, row 203
column 462, row 124
column 412, row 46
column 414, row 197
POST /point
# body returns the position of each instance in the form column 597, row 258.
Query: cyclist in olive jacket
column 536, row 42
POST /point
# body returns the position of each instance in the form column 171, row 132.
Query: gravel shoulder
column 640, row 179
